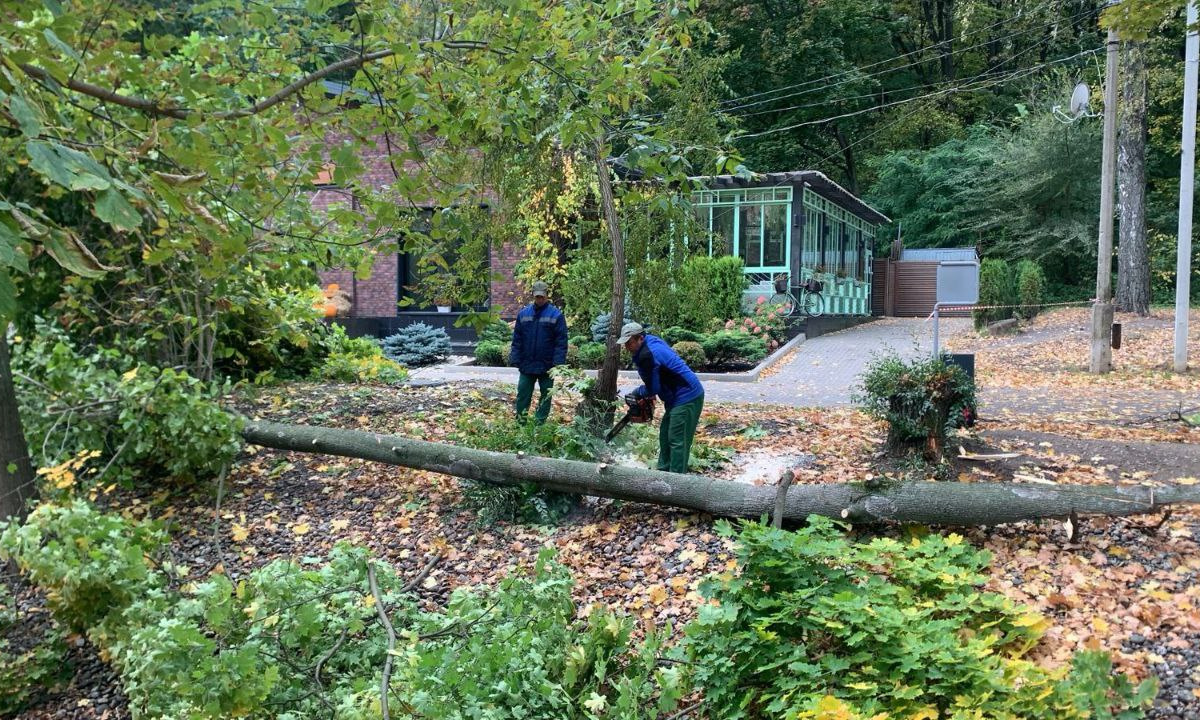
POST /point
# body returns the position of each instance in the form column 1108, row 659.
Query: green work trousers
column 676, row 433
column 525, row 396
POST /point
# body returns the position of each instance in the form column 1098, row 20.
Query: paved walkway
column 821, row 372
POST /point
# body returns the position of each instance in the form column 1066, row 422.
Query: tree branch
column 381, row 609
column 154, row 108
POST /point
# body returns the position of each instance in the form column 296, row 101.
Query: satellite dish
column 1079, row 100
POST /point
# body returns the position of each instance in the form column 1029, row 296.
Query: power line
column 985, row 73
column 945, row 91
column 854, row 71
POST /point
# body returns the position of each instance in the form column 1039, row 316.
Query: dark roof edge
column 817, row 180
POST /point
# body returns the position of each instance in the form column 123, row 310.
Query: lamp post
column 1187, row 172
column 1102, row 310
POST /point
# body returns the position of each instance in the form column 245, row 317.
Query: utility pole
column 1102, row 311
column 1187, row 172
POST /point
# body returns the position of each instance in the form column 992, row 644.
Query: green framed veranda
column 800, row 223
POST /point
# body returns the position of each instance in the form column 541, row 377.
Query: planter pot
column 443, row 308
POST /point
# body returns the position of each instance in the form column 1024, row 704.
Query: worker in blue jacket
column 666, row 376
column 539, row 343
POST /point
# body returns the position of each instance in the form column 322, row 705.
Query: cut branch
column 942, row 503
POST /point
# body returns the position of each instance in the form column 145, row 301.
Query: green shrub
column 692, row 353
column 920, row 399
column 521, row 653
column 527, row 502
column 154, row 421
column 587, row 289
column 497, row 332
column 997, row 286
column 417, row 344
column 728, row 286
column 92, row 564
column 814, row 626
column 591, row 355
column 215, row 650
column 678, row 334
column 33, row 669
column 269, row 327
column 357, row 360
column 729, row 346
column 653, row 293
column 1031, row 288
column 708, row 289
column 491, row 353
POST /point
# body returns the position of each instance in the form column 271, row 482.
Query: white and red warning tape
column 997, row 307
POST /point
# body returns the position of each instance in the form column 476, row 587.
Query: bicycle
column 811, row 302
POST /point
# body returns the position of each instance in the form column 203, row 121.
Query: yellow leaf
column 339, row 524
column 239, row 533
column 301, row 528
column 271, row 620
column 1186, row 480
column 131, row 374
column 1100, row 625
column 658, row 594
column 369, row 600
column 430, row 583
column 679, row 585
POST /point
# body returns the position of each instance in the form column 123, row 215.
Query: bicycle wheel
column 813, row 304
column 787, row 301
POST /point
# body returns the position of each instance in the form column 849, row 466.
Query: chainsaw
column 639, row 410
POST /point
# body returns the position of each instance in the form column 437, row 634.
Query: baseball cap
column 628, row 330
column 540, row 288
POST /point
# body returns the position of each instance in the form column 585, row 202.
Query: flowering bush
column 768, row 322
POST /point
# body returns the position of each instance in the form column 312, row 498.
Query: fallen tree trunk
column 942, row 503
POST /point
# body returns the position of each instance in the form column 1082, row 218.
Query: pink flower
column 747, row 322
column 728, row 324
column 761, row 299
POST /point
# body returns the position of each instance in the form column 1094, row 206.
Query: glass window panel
column 775, row 235
column 750, row 235
column 722, row 228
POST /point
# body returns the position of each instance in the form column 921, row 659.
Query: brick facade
column 378, row 295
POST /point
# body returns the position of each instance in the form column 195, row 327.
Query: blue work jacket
column 665, row 374
column 539, row 339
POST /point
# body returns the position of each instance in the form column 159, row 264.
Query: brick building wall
column 506, row 291
column 378, row 295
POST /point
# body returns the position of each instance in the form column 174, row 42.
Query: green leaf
column 57, row 42
column 66, row 167
column 112, row 207
column 45, row 162
column 10, row 249
column 26, row 117
column 8, row 297
column 69, row 252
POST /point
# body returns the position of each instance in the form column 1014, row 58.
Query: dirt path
column 1049, row 453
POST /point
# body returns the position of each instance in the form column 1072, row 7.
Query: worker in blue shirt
column 666, row 376
column 539, row 343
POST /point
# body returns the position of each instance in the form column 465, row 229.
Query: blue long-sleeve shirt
column 539, row 339
column 665, row 374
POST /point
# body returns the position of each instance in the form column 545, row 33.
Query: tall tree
column 196, row 148
column 1133, row 254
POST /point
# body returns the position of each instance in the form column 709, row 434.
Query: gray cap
column 541, row 288
column 628, row 330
